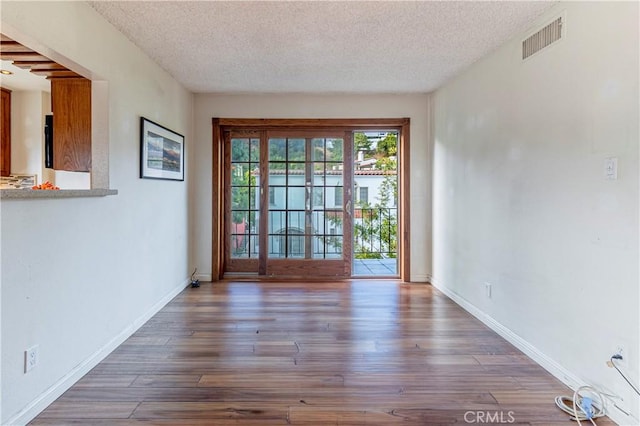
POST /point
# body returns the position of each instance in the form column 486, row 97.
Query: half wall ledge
column 30, row 194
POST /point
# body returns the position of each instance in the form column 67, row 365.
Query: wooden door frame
column 221, row 125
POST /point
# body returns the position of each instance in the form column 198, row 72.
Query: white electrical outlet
column 30, row 358
column 488, row 289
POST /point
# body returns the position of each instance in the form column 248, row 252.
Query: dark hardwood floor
column 352, row 352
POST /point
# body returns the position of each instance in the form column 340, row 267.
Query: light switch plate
column 611, row 168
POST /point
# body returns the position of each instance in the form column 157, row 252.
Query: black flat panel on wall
column 48, row 141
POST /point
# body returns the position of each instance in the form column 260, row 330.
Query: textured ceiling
column 318, row 46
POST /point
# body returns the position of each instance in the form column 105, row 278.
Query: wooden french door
column 252, row 233
column 288, row 202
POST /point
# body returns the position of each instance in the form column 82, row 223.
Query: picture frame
column 161, row 152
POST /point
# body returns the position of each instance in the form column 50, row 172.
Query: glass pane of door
column 245, row 198
column 305, row 198
column 327, row 208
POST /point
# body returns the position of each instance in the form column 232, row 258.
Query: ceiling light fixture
column 6, row 72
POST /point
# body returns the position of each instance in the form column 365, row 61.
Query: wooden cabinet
column 5, row 133
column 71, row 107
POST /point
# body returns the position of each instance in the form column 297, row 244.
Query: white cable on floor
column 588, row 410
column 582, row 407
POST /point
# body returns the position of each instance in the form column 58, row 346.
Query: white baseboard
column 558, row 371
column 36, row 406
column 203, row 277
column 420, row 278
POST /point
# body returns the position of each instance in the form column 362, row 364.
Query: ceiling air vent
column 542, row 39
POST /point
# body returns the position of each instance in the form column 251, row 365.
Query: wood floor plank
column 349, row 352
column 212, row 411
column 106, row 380
column 167, row 380
column 154, row 422
column 62, row 410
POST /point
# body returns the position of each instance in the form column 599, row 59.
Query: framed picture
column 161, row 152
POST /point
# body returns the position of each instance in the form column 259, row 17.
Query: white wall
column 71, row 180
column 78, row 275
column 312, row 106
column 28, row 108
column 520, row 199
